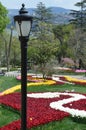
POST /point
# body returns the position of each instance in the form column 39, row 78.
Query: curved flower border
column 17, row 87
column 38, row 82
column 45, row 107
column 73, row 80
column 55, row 80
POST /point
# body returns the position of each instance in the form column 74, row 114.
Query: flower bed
column 73, row 80
column 31, row 78
column 39, row 111
column 17, row 87
column 45, row 107
column 80, row 71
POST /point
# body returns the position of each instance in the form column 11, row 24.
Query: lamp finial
column 23, row 10
column 23, row 5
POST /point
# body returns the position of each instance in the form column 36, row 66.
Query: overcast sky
column 16, row 4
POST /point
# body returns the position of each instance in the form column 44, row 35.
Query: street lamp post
column 23, row 24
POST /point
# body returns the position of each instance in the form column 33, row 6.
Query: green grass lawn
column 65, row 124
column 59, row 88
column 7, row 115
column 7, row 82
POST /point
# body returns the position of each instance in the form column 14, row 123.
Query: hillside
column 61, row 14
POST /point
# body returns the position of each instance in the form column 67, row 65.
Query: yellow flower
column 11, row 90
column 74, row 79
column 17, row 87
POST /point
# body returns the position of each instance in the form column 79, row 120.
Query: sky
column 16, row 4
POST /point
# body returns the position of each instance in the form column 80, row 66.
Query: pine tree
column 79, row 16
column 42, row 21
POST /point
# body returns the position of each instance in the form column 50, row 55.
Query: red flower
column 38, row 110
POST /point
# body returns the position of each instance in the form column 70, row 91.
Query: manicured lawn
column 65, row 124
column 7, row 115
column 7, row 82
column 54, row 88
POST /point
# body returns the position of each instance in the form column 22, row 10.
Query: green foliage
column 79, row 16
column 3, row 17
column 40, row 53
column 42, row 13
column 78, row 38
column 9, row 49
column 76, row 43
column 42, row 21
column 62, row 33
column 44, row 45
column 45, row 51
column 15, row 59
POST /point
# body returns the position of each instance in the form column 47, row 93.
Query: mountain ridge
column 62, row 15
column 53, row 9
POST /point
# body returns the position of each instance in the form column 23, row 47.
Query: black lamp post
column 23, row 25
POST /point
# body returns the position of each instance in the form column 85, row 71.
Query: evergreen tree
column 42, row 21
column 43, row 44
column 79, row 16
column 42, row 13
column 79, row 20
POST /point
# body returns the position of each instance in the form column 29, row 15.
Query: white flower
column 58, row 105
